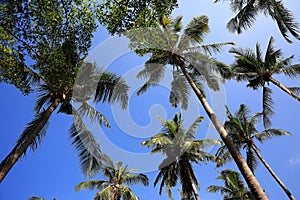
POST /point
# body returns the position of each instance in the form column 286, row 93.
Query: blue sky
column 53, row 170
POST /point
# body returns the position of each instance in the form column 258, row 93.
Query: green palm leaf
column 267, row 107
column 243, row 19
column 269, row 134
column 89, row 151
column 179, row 91
column 283, row 17
column 127, row 193
column 197, row 29
column 87, row 110
column 31, row 126
column 91, row 185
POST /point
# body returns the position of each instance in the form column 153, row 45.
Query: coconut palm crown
column 115, row 187
column 259, row 71
column 181, row 151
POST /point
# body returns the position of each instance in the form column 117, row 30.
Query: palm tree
column 258, row 71
column 45, row 59
column 241, row 128
column 233, row 189
column 116, row 186
column 181, row 151
column 247, row 12
column 191, row 65
column 56, row 94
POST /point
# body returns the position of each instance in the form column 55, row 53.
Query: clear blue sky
column 53, row 170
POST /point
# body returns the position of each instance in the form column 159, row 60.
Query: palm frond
column 91, row 185
column 203, row 72
column 296, row 90
column 31, row 77
column 39, row 122
column 155, row 72
column 136, row 179
column 215, row 47
column 222, row 156
column 179, row 91
column 269, row 134
column 43, row 98
column 283, row 17
column 292, row 70
column 89, row 151
column 127, row 193
column 197, row 29
column 243, row 19
column 251, row 159
column 177, row 23
column 111, row 89
column 191, row 132
column 104, row 194
column 267, row 107
column 93, row 115
column 216, row 188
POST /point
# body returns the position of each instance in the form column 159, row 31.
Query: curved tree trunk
column 284, row 88
column 236, row 155
column 286, row 190
column 17, row 152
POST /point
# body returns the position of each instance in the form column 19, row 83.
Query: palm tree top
column 258, row 70
column 234, row 187
column 115, row 187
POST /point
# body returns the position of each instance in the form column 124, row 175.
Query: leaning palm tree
column 247, row 12
column 45, row 58
column 234, row 187
column 258, row 71
column 181, row 150
column 55, row 94
column 187, row 54
column 115, row 187
column 241, row 128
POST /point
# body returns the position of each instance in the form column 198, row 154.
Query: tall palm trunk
column 18, row 151
column 186, row 170
column 236, row 155
column 194, row 188
column 286, row 190
column 284, row 88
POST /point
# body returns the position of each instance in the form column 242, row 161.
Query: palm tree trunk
column 284, row 88
column 236, row 155
column 286, row 190
column 17, row 152
column 194, row 189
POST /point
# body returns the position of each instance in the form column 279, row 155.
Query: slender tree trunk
column 286, row 190
column 284, row 88
column 236, row 155
column 194, row 189
column 17, row 152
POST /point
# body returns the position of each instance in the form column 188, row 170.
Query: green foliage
column 116, row 186
column 119, row 16
column 242, row 130
column 257, row 70
column 234, row 187
column 44, row 41
column 247, row 12
column 170, row 45
column 181, row 150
